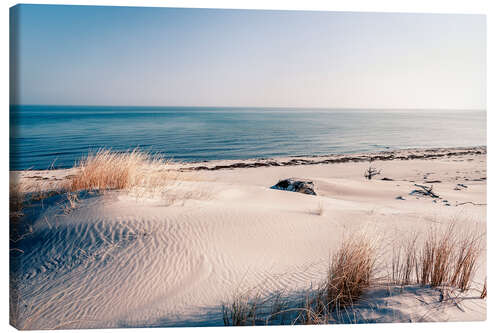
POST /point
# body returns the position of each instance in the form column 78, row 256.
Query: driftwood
column 470, row 202
column 425, row 190
column 371, row 172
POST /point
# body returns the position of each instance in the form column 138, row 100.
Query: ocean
column 57, row 136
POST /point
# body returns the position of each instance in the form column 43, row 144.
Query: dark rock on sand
column 295, row 185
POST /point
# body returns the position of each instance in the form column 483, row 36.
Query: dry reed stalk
column 484, row 291
column 315, row 310
column 320, row 210
column 404, row 261
column 241, row 311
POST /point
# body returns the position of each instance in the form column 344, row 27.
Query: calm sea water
column 42, row 136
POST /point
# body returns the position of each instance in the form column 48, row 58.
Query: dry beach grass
column 232, row 232
column 445, row 259
column 350, row 274
column 446, row 256
column 106, row 170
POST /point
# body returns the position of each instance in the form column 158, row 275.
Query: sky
column 88, row 55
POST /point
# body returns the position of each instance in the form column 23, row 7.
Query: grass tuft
column 109, row 170
column 349, row 275
column 445, row 257
column 240, row 312
column 350, row 272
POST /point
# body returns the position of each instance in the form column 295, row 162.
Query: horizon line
column 248, row 107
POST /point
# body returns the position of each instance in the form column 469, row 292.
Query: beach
column 171, row 253
column 199, row 167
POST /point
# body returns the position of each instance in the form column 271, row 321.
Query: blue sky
column 86, row 55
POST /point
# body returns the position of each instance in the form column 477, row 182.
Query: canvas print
column 219, row 167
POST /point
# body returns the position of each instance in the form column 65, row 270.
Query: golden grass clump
column 449, row 258
column 444, row 257
column 350, row 272
column 108, row 170
column 436, row 257
column 465, row 263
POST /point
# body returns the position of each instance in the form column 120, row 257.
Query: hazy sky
column 206, row 57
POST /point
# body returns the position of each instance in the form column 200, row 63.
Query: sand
column 171, row 258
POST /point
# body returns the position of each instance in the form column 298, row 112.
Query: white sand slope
column 119, row 260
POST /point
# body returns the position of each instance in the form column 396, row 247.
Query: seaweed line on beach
column 331, row 159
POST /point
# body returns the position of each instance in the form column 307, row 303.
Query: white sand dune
column 118, row 260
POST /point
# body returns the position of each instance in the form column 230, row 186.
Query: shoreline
column 396, row 154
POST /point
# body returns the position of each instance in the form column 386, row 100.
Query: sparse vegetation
column 320, row 210
column 404, row 262
column 250, row 308
column 72, row 201
column 484, row 291
column 140, row 173
column 239, row 312
column 350, row 272
column 314, row 311
column 108, row 170
column 16, row 201
column 349, row 275
column 444, row 258
column 24, row 195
